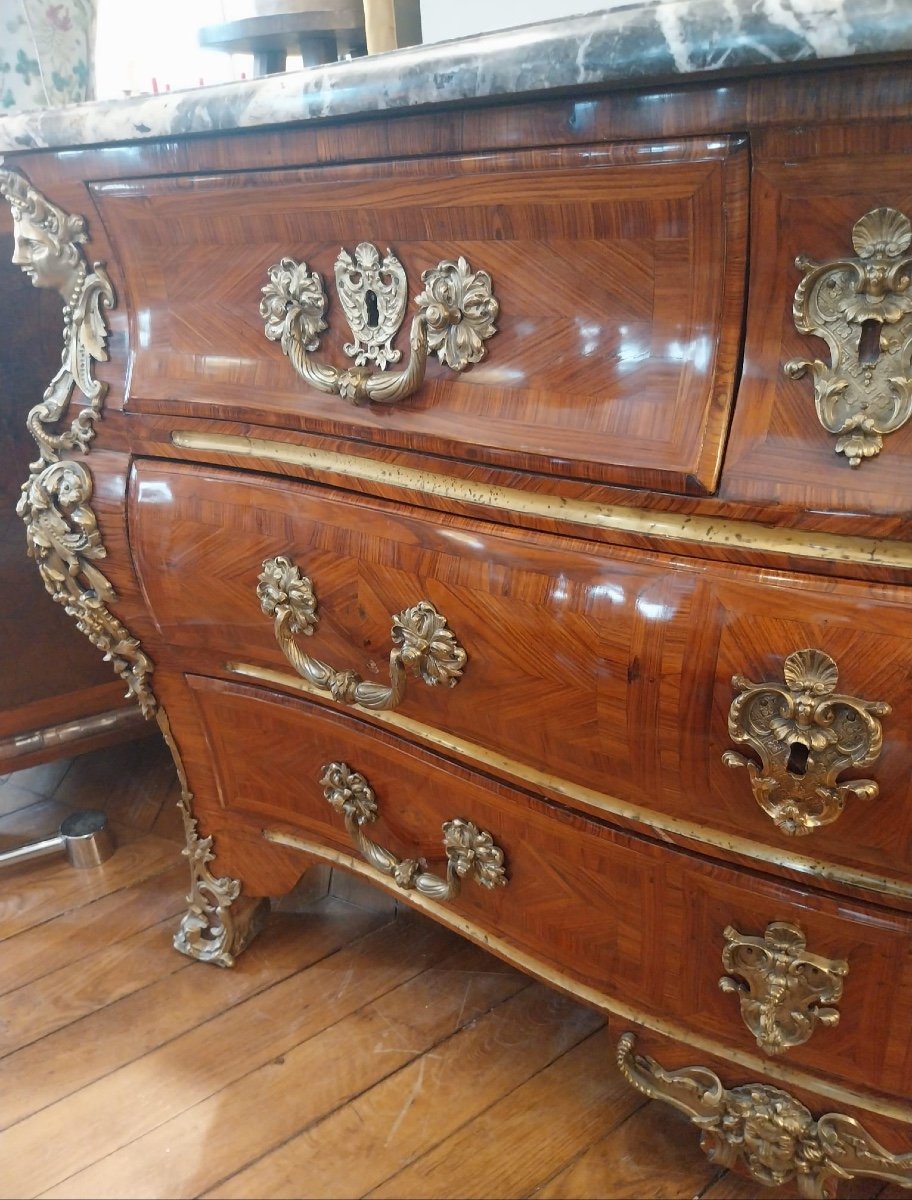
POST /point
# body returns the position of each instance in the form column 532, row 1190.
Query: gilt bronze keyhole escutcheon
column 785, row 992
column 806, row 734
column 862, row 308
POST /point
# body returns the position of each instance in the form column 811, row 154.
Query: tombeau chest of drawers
column 506, row 498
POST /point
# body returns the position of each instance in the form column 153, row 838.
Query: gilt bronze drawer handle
column 456, row 314
column 805, row 734
column 763, row 1131
column 862, row 308
column 470, row 851
column 423, row 645
column 784, row 991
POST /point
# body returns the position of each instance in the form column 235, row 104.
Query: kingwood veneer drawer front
column 823, row 411
column 642, row 924
column 617, row 273
column 607, row 681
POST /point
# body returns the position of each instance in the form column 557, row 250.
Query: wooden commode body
column 508, row 500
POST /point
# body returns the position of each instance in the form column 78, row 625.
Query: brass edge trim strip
column 744, row 535
column 607, row 803
column 21, row 744
column 591, row 995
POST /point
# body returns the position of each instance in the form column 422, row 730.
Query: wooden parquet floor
column 355, row 1049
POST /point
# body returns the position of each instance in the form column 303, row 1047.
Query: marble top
column 628, row 44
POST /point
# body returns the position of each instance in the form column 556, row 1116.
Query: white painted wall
column 443, row 19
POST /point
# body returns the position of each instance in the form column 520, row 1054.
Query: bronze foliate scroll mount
column 862, row 308
column 423, row 643
column 805, row 734
column 48, row 247
column 785, row 992
column 63, row 537
column 61, row 526
column 456, row 315
column 470, row 851
column 763, row 1131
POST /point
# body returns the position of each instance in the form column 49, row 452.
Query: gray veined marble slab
column 631, row 44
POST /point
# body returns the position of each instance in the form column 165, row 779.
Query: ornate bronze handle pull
column 456, row 314
column 805, row 734
column 862, row 308
column 423, row 645
column 785, row 992
column 763, row 1131
column 469, row 850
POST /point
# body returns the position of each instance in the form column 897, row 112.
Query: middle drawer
column 598, row 675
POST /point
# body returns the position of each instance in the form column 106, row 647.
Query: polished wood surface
column 807, row 193
column 612, row 672
column 350, row 1125
column 777, row 111
column 618, row 271
column 589, row 729
column 639, row 923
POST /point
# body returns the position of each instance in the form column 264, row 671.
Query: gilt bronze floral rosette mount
column 805, row 734
column 455, row 317
column 862, row 308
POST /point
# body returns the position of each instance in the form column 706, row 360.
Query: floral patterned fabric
column 45, row 53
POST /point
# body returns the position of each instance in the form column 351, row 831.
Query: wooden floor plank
column 733, row 1187
column 59, row 1065
column 419, row 1106
column 272, row 1103
column 146, row 782
column 30, row 897
column 169, row 823
column 74, row 935
column 532, row 1130
column 104, row 1116
column 80, row 988
column 654, row 1153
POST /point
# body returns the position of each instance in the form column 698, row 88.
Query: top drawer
column 618, row 271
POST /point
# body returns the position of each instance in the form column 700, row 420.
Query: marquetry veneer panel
column 613, row 675
column 808, row 191
column 618, row 269
column 640, row 922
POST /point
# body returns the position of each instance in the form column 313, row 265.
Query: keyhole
column 373, row 312
column 869, row 343
column 798, row 759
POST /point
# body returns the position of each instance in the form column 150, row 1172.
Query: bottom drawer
column 642, row 928
column 771, row 1133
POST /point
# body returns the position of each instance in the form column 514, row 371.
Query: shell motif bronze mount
column 423, row 644
column 805, row 734
column 470, row 851
column 764, row 1132
column 785, row 992
column 862, row 308
column 456, row 315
